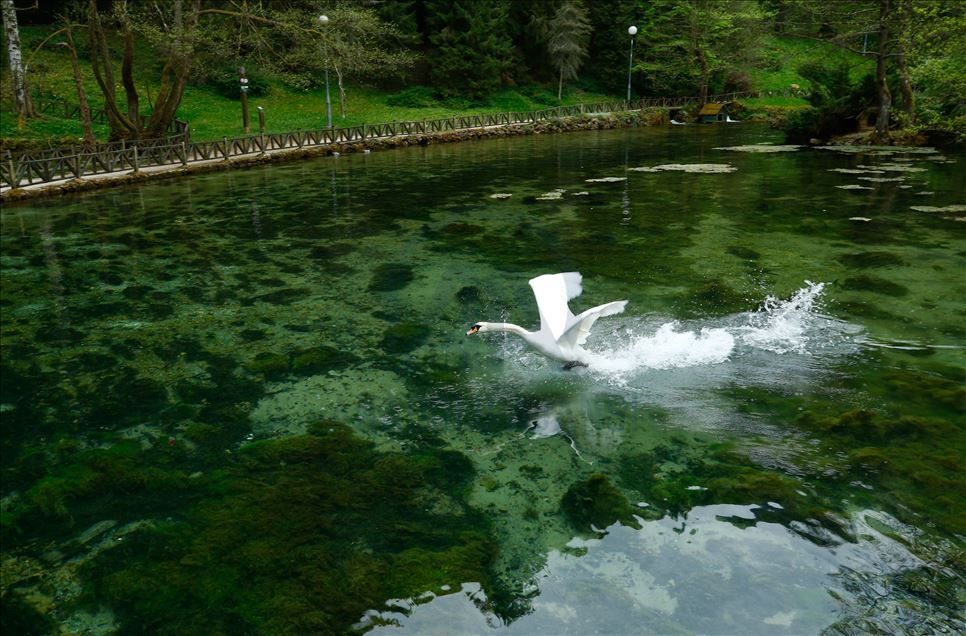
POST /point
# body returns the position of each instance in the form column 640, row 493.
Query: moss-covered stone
column 300, row 535
column 391, row 277
column 871, row 259
column 269, row 364
column 403, row 338
column 320, row 359
column 874, row 284
column 596, row 502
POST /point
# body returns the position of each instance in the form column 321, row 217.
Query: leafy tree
column 568, row 32
column 609, row 41
column 686, row 41
column 473, row 50
column 836, row 103
column 285, row 37
column 931, row 38
column 922, row 41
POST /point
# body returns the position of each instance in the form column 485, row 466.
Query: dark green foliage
column 737, row 81
column 473, row 49
column 596, row 502
column 836, row 102
column 414, row 97
column 301, row 535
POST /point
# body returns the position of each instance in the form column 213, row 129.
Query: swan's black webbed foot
column 570, row 366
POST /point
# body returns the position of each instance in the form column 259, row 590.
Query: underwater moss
column 596, row 502
column 714, row 298
column 299, row 535
column 322, row 359
column 743, row 253
column 403, row 338
column 391, row 277
column 872, row 259
column 269, row 364
column 17, row 616
column 874, row 284
column 468, row 294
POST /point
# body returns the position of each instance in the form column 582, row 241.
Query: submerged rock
column 597, row 503
column 391, row 277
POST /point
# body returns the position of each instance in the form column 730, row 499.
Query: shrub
column 225, row 82
column 737, row 82
column 414, row 97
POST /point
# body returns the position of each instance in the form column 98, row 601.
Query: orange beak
column 472, row 330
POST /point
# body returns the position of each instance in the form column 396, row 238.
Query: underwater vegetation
column 301, row 535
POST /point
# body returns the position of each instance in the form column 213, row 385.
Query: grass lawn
column 784, row 55
column 213, row 116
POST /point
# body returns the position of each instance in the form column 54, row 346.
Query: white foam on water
column 782, row 326
column 666, row 349
column 779, row 326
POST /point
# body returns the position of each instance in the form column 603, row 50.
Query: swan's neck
column 508, row 327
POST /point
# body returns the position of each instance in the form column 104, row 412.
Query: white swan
column 561, row 333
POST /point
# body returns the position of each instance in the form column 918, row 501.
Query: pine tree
column 473, row 46
column 569, row 31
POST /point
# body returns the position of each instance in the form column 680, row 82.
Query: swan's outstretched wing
column 576, row 334
column 552, row 292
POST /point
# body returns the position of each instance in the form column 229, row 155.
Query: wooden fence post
column 224, row 147
column 137, row 165
column 184, row 154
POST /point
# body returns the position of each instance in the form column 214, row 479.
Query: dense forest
column 465, row 50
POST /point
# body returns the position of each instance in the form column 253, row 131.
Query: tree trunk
column 560, row 86
column 18, row 73
column 882, row 85
column 103, row 67
column 127, row 77
column 908, row 97
column 338, row 76
column 705, row 75
column 85, row 109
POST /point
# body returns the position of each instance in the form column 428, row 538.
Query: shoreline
column 627, row 119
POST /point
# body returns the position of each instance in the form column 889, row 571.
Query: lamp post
column 243, row 86
column 324, row 19
column 632, row 31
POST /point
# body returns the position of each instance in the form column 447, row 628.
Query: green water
column 244, row 402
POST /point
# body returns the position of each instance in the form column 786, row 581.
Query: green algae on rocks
column 301, row 535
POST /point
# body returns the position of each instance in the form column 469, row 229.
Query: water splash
column 667, row 348
column 779, row 326
column 782, row 326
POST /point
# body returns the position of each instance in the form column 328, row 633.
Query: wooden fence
column 73, row 163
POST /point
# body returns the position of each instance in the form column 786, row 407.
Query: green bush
column 414, row 97
column 225, row 82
